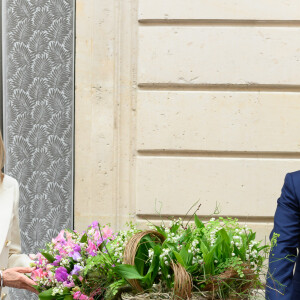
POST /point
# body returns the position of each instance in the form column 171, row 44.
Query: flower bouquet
column 219, row 259
column 61, row 268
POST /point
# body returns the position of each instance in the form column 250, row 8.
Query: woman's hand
column 16, row 278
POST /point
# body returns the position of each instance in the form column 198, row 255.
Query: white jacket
column 10, row 246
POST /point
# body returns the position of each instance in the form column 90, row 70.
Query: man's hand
column 16, row 278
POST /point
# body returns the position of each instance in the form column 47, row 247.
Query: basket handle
column 182, row 279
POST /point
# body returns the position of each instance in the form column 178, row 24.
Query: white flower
column 233, row 254
column 151, row 253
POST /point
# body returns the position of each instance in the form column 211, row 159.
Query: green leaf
column 174, row 228
column 68, row 297
column 157, row 251
column 153, row 270
column 238, row 252
column 185, row 238
column 46, row 295
column 187, row 257
column 38, row 288
column 209, row 262
column 263, row 248
column 204, row 249
column 141, row 257
column 150, row 242
column 208, row 256
column 179, row 258
column 198, row 223
column 161, row 231
column 226, row 249
column 48, row 256
column 84, row 238
column 193, row 268
column 128, row 272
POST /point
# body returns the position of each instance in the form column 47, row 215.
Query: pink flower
column 91, row 249
column 60, row 237
column 69, row 236
column 80, row 296
column 41, row 258
column 37, row 274
column 69, row 284
column 97, row 235
column 107, row 232
column 98, row 238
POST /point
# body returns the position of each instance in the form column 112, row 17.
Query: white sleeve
column 16, row 259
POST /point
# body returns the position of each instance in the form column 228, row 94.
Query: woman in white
column 13, row 265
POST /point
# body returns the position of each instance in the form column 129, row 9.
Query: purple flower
column 61, row 274
column 76, row 270
column 57, row 260
column 75, row 255
column 77, row 248
column 95, row 225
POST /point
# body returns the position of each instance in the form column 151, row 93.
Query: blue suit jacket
column 282, row 282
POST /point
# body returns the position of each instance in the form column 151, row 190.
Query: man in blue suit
column 282, row 281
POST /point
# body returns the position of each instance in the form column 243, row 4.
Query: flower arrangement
column 218, row 259
column 60, row 267
column 222, row 258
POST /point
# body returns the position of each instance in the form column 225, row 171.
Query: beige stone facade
column 179, row 101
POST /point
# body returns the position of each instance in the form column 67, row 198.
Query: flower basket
column 183, row 282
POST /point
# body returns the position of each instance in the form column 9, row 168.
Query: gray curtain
column 38, row 83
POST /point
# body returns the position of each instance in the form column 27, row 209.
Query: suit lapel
column 6, row 209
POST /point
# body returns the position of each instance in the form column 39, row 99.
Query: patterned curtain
column 38, row 49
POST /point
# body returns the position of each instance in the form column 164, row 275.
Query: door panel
column 38, row 121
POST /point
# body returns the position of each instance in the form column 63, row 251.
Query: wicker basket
column 232, row 275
